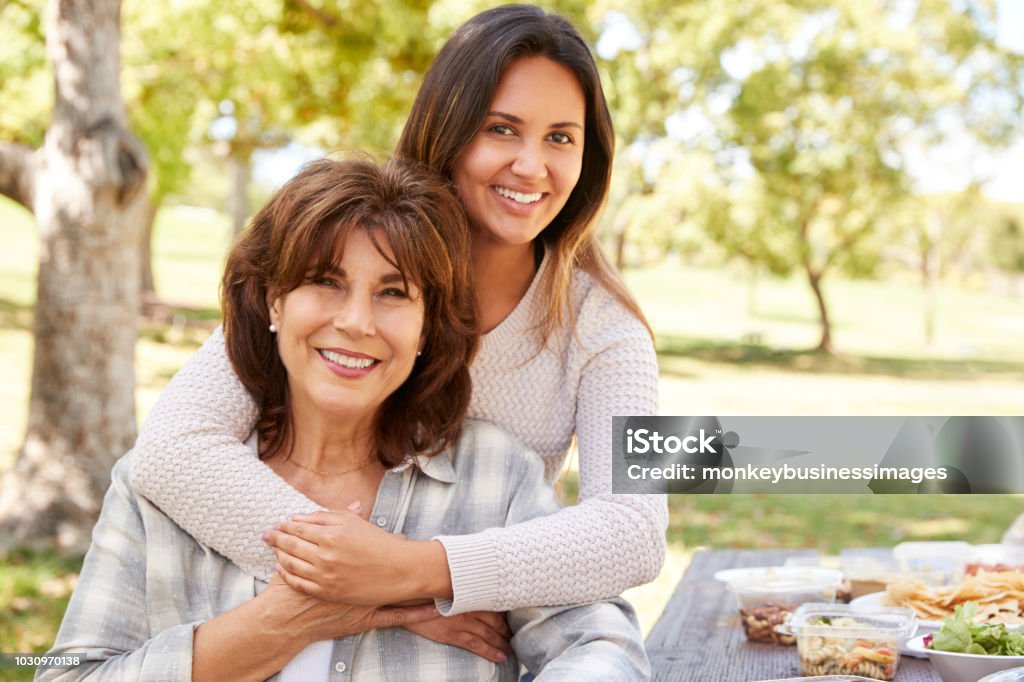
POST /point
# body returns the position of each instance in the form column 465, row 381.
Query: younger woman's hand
column 484, row 633
column 338, row 556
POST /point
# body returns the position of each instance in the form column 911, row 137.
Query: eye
column 395, row 292
column 328, row 282
column 501, row 129
column 561, row 138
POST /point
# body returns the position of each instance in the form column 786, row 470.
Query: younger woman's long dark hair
column 453, row 102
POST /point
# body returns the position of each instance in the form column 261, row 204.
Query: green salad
column 960, row 634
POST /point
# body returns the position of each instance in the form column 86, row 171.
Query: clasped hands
column 340, row 557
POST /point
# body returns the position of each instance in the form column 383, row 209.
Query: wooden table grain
column 699, row 638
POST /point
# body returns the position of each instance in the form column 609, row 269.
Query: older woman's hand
column 484, row 633
column 283, row 621
column 338, row 556
column 318, row 619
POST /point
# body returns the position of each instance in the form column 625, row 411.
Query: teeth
column 518, row 197
column 346, row 361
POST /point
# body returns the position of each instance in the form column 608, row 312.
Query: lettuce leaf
column 960, row 634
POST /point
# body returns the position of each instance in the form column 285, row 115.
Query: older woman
column 348, row 319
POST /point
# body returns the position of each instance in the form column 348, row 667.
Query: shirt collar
column 439, row 467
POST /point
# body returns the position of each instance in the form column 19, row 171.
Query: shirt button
column 340, row 666
column 381, row 521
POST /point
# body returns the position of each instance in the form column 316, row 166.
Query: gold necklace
column 331, row 473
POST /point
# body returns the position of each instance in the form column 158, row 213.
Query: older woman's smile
column 347, row 359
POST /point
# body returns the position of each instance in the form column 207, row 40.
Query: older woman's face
column 349, row 339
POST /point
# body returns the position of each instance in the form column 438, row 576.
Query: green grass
column 870, row 318
column 830, row 523
column 721, row 355
column 34, row 591
column 18, row 259
column 190, row 244
column 710, row 364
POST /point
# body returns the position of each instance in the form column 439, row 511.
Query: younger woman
column 513, row 113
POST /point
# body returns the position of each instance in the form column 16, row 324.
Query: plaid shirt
column 146, row 584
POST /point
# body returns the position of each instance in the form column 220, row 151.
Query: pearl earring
column 273, row 328
column 419, row 353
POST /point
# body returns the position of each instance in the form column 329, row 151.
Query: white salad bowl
column 956, row 667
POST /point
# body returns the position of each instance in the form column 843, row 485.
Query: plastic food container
column 833, row 639
column 933, row 563
column 844, row 593
column 869, row 574
column 940, row 563
column 768, row 596
column 876, row 601
column 995, row 558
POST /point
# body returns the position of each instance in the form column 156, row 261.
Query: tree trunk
column 87, row 196
column 752, row 289
column 147, row 287
column 931, row 270
column 620, row 248
column 238, row 202
column 825, row 344
column 930, row 285
column 814, row 275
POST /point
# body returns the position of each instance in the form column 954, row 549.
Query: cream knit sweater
column 191, row 462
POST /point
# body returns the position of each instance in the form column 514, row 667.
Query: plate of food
column 999, row 597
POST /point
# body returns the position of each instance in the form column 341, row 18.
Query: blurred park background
column 818, row 204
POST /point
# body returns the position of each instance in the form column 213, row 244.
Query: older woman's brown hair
column 299, row 236
column 453, row 102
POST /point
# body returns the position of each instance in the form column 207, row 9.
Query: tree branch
column 18, row 172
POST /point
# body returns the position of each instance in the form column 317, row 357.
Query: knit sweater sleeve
column 191, row 462
column 606, row 543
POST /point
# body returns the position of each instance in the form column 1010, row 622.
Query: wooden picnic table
column 698, row 637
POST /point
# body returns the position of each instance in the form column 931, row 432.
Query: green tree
column 639, row 55
column 273, row 71
column 935, row 235
column 1008, row 251
column 84, row 178
column 326, row 74
column 811, row 108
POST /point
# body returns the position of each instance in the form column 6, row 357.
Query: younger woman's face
column 518, row 171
